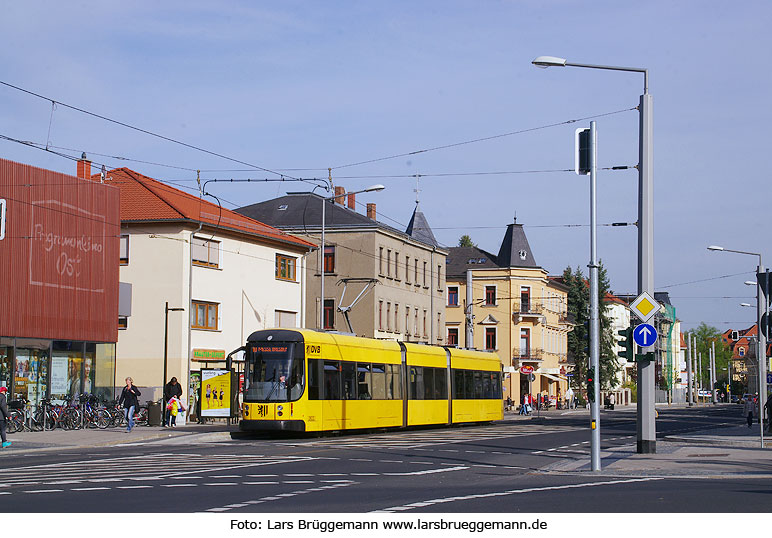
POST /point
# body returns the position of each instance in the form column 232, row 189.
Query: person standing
column 4, row 417
column 171, row 390
column 749, row 409
column 129, row 400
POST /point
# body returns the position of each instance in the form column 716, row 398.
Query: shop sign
column 526, row 369
column 209, row 354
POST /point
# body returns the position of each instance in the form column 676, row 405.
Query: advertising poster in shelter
column 215, row 393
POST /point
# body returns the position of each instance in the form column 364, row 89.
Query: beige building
column 516, row 311
column 222, row 276
column 405, row 270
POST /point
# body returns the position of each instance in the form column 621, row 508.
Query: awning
column 550, row 376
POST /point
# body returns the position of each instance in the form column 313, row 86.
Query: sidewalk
column 67, row 439
column 730, row 452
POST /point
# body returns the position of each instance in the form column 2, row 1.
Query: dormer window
column 283, row 207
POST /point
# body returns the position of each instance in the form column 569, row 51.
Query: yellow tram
column 309, row 381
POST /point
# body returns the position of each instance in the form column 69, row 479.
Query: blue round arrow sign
column 645, row 335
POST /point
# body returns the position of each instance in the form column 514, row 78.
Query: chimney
column 340, row 193
column 371, row 211
column 84, row 167
column 352, row 201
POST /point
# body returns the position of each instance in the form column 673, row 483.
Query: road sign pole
column 594, row 318
column 645, row 424
column 689, row 395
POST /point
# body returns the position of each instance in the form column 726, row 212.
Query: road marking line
column 259, row 483
column 429, row 471
column 43, row 491
column 133, row 487
column 296, row 474
column 179, row 485
column 514, row 492
column 298, row 482
column 88, row 489
column 225, row 476
column 238, row 505
column 222, row 484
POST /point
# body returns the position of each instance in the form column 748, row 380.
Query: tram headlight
column 246, row 410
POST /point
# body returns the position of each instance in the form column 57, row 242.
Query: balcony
column 564, row 318
column 526, row 355
column 528, row 310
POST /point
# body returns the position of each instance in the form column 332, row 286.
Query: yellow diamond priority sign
column 645, row 307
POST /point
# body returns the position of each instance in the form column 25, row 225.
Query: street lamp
column 761, row 302
column 646, row 426
column 166, row 353
column 325, row 199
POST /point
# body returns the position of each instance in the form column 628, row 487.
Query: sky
column 286, row 90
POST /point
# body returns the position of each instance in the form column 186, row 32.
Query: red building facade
column 58, row 283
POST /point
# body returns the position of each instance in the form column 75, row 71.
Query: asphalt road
column 500, row 468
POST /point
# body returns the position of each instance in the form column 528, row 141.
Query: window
column 416, row 272
column 380, row 315
column 741, row 352
column 124, row 250
column 329, row 258
column 204, row 315
column 396, row 266
column 205, row 252
column 396, row 317
column 490, row 338
column 380, row 261
column 452, row 295
column 415, row 327
column 525, row 299
column 425, row 281
column 439, row 327
column 407, row 269
column 490, row 295
column 439, row 278
column 388, row 263
column 378, row 381
column 285, row 319
column 329, row 314
column 425, row 333
column 285, row 267
column 407, row 320
column 452, row 339
column 123, row 323
column 388, row 316
column 331, row 380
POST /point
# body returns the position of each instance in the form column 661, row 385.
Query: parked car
column 735, row 398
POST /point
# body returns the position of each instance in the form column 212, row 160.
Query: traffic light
column 626, row 343
column 591, row 384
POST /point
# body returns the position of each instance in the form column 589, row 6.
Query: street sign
column 645, row 307
column 526, row 369
column 531, row 378
column 645, row 335
column 769, row 379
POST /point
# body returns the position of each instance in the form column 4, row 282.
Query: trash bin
column 154, row 414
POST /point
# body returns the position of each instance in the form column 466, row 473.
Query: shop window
column 206, row 252
column 285, row 267
column 204, row 315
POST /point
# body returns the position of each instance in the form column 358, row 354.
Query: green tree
column 579, row 337
column 466, row 241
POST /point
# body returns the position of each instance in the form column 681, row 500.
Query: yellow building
column 516, row 310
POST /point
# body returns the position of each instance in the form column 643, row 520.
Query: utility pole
column 469, row 314
column 689, row 380
column 713, row 372
column 699, row 388
column 594, row 317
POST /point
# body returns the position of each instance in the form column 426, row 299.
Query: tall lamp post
column 761, row 302
column 166, row 353
column 646, row 426
column 325, row 199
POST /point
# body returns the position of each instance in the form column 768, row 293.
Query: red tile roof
column 146, row 199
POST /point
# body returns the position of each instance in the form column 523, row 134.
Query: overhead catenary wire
column 139, row 129
column 482, row 139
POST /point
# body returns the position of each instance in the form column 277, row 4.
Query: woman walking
column 129, row 401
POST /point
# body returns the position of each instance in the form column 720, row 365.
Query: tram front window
column 273, row 375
